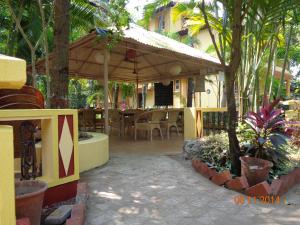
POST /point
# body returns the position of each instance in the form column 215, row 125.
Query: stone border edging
column 278, row 187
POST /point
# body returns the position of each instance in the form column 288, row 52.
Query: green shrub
column 292, row 160
column 214, row 149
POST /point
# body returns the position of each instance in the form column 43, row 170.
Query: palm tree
column 241, row 37
column 60, row 65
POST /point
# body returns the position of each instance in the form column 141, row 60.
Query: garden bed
column 278, row 187
column 210, row 158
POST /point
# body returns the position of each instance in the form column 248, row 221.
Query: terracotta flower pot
column 29, row 199
column 255, row 170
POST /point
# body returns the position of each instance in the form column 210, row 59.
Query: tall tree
column 230, row 75
column 60, row 66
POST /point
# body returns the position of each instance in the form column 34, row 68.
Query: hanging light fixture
column 166, row 82
column 175, row 69
column 99, row 57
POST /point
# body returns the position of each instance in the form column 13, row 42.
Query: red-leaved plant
column 271, row 132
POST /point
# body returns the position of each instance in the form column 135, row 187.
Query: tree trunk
column 234, row 148
column 33, row 72
column 60, row 65
column 267, row 79
column 285, row 61
column 46, row 49
column 230, row 75
column 272, row 73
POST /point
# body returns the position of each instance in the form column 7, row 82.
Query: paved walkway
column 163, row 190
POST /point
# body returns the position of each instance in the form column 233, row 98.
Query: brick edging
column 23, row 221
column 78, row 210
column 278, row 187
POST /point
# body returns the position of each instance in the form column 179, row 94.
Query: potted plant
column 264, row 149
column 29, row 192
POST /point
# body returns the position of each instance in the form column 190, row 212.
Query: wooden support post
column 137, row 92
column 105, row 72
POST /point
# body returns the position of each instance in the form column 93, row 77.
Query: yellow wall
column 204, row 40
column 172, row 26
column 189, row 123
column 93, row 152
column 7, row 189
column 150, row 98
column 153, row 25
column 12, row 72
column 211, row 100
column 50, row 147
column 179, row 97
column 175, row 25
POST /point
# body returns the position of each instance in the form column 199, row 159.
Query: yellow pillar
column 12, row 72
column 288, row 87
column 7, row 188
column 190, row 131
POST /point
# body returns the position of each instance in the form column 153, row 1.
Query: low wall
column 93, row 152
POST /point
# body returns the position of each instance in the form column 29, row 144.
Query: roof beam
column 154, row 67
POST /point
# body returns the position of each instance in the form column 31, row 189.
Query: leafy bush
column 268, row 125
column 212, row 149
column 245, row 133
column 287, row 164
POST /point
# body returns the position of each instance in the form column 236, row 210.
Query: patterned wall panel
column 66, row 145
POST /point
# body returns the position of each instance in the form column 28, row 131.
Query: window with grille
column 161, row 22
column 177, row 85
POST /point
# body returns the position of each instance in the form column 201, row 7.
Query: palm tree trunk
column 272, row 73
column 46, row 49
column 230, row 75
column 232, row 121
column 60, row 65
column 285, row 61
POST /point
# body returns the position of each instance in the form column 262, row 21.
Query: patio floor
column 150, row 189
column 127, row 145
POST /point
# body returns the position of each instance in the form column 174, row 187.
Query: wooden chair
column 171, row 122
column 149, row 121
column 180, row 121
column 114, row 120
column 89, row 120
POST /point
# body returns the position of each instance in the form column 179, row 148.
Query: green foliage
column 295, row 88
column 113, row 16
column 245, row 133
column 41, row 84
column 287, row 164
column 149, row 11
column 78, row 92
column 214, row 149
column 96, row 96
column 275, row 88
column 128, row 90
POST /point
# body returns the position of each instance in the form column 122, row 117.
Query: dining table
column 127, row 116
